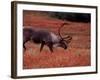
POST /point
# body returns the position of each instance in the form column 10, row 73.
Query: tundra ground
column 77, row 53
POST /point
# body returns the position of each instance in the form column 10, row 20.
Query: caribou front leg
column 42, row 45
column 50, row 45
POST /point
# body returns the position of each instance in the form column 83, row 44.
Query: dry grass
column 77, row 54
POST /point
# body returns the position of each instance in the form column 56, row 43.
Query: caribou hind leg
column 24, row 43
column 24, row 46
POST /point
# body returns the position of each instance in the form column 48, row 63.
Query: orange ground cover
column 77, row 54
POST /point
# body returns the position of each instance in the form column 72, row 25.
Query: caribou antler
column 60, row 30
column 69, row 38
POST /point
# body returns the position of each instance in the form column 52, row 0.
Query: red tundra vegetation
column 77, row 53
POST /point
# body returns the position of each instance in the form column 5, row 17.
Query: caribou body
column 44, row 37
